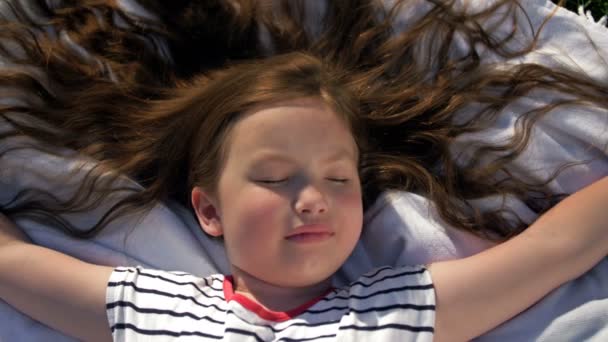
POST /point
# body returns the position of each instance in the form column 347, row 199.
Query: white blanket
column 400, row 228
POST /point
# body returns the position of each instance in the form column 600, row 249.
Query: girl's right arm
column 63, row 292
column 478, row 293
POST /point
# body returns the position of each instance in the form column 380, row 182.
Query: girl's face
column 289, row 198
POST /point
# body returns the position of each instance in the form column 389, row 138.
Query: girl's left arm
column 480, row 292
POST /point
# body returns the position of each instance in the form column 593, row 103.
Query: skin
column 288, row 164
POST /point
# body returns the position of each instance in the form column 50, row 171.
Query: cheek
column 257, row 208
column 351, row 208
column 254, row 219
column 353, row 198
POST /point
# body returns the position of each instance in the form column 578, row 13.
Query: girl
column 410, row 77
column 275, row 170
column 389, row 118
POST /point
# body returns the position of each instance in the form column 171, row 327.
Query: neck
column 274, row 297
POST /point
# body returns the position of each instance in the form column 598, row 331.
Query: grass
column 598, row 8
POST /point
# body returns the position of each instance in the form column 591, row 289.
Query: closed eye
column 271, row 181
column 280, row 181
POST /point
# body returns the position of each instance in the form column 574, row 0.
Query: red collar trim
column 262, row 312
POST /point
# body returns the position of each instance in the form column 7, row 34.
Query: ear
column 207, row 212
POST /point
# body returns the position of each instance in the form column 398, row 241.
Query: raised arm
column 478, row 293
column 55, row 289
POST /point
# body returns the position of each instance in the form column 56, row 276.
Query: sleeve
column 394, row 303
column 143, row 303
column 122, row 297
column 139, row 301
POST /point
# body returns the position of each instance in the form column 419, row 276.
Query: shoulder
column 164, row 283
column 386, row 287
column 160, row 277
column 141, row 302
column 388, row 303
column 401, row 278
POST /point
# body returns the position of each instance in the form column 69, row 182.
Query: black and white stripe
column 387, row 304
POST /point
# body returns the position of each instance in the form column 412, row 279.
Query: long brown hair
column 400, row 92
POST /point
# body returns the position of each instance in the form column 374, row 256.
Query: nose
column 311, row 201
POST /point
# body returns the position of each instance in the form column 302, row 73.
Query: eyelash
column 271, row 181
column 337, row 180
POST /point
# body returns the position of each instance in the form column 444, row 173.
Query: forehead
column 296, row 127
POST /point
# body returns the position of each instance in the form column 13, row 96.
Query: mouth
column 310, row 234
column 309, row 237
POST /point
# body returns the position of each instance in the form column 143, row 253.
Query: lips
column 310, row 233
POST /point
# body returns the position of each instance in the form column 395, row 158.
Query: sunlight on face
column 288, row 165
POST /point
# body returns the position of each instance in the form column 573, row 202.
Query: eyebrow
column 340, row 154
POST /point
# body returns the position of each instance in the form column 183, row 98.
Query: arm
column 58, row 290
column 478, row 293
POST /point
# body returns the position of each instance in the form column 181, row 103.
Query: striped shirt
column 388, row 304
